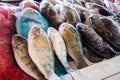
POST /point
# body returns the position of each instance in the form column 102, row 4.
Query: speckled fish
column 22, row 57
column 110, row 33
column 91, row 56
column 30, row 18
column 49, row 11
column 41, row 52
column 98, row 9
column 73, row 43
column 59, row 47
column 95, row 42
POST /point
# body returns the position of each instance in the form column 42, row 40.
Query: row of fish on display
column 50, row 31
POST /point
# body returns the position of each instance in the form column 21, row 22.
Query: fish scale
column 22, row 57
column 73, row 43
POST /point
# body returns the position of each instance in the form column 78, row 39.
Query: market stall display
column 46, row 39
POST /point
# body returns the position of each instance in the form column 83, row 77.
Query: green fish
column 73, row 43
column 59, row 47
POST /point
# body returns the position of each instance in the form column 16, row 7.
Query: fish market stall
column 59, row 39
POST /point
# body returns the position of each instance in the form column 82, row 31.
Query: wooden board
column 106, row 70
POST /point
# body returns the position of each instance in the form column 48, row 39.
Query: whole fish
column 20, row 48
column 59, row 47
column 73, row 43
column 30, row 18
column 9, row 70
column 95, row 42
column 98, row 9
column 91, row 56
column 41, row 52
column 110, row 33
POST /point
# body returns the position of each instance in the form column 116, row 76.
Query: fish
column 73, row 2
column 59, row 13
column 73, row 43
column 95, row 42
column 83, row 12
column 100, row 2
column 30, row 18
column 29, row 4
column 98, row 9
column 91, row 56
column 69, row 14
column 115, row 18
column 20, row 49
column 41, row 52
column 110, row 34
column 9, row 70
column 49, row 11
column 112, row 6
column 59, row 47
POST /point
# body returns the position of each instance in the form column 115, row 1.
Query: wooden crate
column 106, row 70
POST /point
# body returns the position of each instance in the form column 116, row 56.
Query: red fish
column 29, row 4
column 9, row 70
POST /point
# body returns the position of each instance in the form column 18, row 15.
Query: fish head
column 70, row 15
column 18, row 42
column 94, row 19
column 65, row 26
column 51, row 31
column 82, row 27
column 47, row 7
column 37, row 32
column 29, row 12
